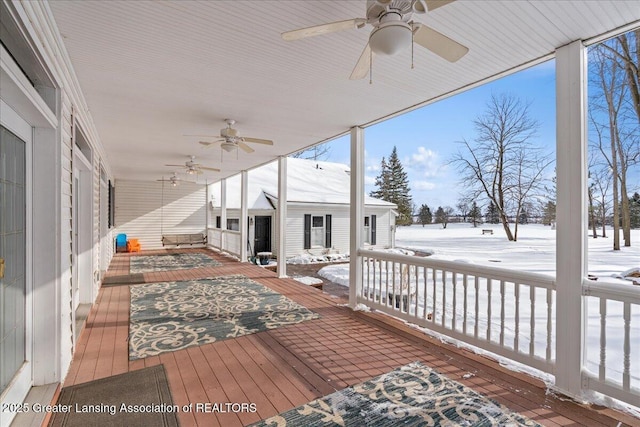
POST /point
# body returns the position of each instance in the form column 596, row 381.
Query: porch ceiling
column 153, row 71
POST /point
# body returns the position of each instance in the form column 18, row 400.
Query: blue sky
column 426, row 138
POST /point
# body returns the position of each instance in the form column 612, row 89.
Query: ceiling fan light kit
column 391, row 36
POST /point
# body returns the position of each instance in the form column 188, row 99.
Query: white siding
column 146, row 211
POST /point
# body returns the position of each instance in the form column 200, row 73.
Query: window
column 370, row 230
column 317, row 231
column 367, row 229
column 233, row 224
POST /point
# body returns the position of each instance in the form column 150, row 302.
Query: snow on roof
column 308, row 181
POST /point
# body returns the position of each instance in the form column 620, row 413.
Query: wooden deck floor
column 286, row 367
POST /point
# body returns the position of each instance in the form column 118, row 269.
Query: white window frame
column 317, row 233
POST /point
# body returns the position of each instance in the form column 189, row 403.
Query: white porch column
column 356, row 213
column 244, row 231
column 571, row 214
column 282, row 216
column 223, row 214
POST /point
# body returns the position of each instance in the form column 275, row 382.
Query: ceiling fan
column 231, row 141
column 193, row 168
column 393, row 31
column 173, row 179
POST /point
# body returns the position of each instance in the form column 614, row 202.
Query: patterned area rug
column 181, row 261
column 174, row 315
column 413, row 395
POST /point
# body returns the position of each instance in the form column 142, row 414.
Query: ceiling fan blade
column 257, row 140
column 363, row 65
column 205, row 143
column 317, row 30
column 438, row 43
column 210, row 169
column 180, row 166
column 434, row 4
column 244, row 147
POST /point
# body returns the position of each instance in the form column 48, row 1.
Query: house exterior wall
column 146, row 210
column 385, row 222
column 53, row 111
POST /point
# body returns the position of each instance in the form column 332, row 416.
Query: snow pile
column 632, row 275
column 308, row 280
column 316, row 259
column 336, row 273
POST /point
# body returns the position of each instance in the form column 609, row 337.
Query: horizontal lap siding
column 140, row 213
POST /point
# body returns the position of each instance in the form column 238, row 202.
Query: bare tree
column 615, row 119
column 317, row 152
column 501, row 164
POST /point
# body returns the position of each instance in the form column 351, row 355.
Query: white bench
column 487, row 231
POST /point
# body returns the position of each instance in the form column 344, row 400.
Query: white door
column 15, row 331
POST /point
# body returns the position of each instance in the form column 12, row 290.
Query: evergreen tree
column 442, row 215
column 382, row 183
column 634, row 207
column 393, row 186
column 424, row 215
column 549, row 213
column 492, row 216
column 475, row 215
column 439, row 217
column 523, row 218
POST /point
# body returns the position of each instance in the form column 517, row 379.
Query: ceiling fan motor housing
column 228, row 132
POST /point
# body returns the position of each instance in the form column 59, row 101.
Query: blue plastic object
column 121, row 241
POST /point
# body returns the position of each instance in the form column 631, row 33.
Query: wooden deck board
column 282, row 368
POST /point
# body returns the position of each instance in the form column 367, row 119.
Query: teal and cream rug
column 413, row 395
column 171, row 316
column 168, row 262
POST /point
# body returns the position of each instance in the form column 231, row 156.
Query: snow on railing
column 503, row 311
column 613, row 327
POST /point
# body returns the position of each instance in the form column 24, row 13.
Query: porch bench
column 487, row 231
column 184, row 239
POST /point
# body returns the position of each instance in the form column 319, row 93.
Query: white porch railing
column 502, row 311
column 510, row 313
column 224, row 240
column 613, row 340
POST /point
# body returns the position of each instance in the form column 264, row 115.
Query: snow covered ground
column 533, row 252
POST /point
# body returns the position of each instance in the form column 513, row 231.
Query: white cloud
column 369, row 180
column 423, row 185
column 425, row 161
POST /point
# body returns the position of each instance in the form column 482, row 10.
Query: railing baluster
column 476, row 285
column 434, row 295
column 532, row 319
column 502, row 313
column 393, row 297
column 455, row 290
column 602, row 366
column 424, row 287
column 488, row 309
column 386, row 301
column 516, row 292
column 444, row 297
column 549, row 323
column 465, row 279
column 626, row 375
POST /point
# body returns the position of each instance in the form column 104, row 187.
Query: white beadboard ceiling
column 154, row 71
